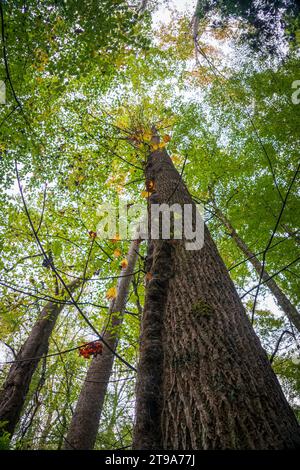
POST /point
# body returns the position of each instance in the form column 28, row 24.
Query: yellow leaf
column 176, row 158
column 154, row 146
column 116, row 238
column 119, row 189
column 111, row 293
column 124, row 263
column 117, row 253
column 145, row 193
column 161, row 145
column 147, row 136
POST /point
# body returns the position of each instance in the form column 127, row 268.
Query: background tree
column 85, row 421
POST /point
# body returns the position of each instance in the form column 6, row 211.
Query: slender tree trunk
column 204, row 381
column 15, row 388
column 85, row 421
column 45, row 432
column 287, row 307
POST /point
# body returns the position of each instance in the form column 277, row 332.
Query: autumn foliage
column 91, row 349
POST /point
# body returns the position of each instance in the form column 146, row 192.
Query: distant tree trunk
column 45, row 432
column 204, row 381
column 15, row 388
column 288, row 308
column 85, row 421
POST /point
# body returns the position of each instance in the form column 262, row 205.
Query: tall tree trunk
column 287, row 307
column 15, row 388
column 45, row 432
column 85, row 421
column 204, row 381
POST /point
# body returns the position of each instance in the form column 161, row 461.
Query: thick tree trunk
column 85, row 421
column 14, row 390
column 204, row 381
column 286, row 306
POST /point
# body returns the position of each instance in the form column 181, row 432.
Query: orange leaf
column 116, row 238
column 124, row 263
column 166, row 138
column 91, row 349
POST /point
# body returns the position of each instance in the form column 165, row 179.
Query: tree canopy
column 85, row 84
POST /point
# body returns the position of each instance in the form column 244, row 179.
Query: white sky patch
column 270, row 304
column 164, row 12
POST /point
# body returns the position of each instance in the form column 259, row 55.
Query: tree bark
column 15, row 388
column 45, row 432
column 85, row 421
column 287, row 307
column 204, row 380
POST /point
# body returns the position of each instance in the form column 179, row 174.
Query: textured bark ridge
column 14, row 391
column 288, row 308
column 85, row 421
column 213, row 386
column 149, row 399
